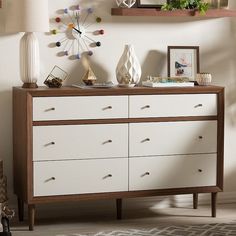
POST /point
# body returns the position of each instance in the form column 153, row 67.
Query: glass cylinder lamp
column 28, row 16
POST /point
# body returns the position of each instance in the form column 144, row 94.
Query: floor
column 71, row 222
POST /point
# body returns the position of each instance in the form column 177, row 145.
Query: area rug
column 194, row 230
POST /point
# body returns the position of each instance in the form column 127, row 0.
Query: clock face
column 78, row 30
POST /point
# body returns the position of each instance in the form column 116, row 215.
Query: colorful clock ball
column 90, row 53
column 90, row 10
column 66, row 53
column 54, row 31
column 71, row 26
column 65, row 10
column 77, row 7
column 78, row 56
column 101, row 31
column 98, row 19
column 98, row 44
column 58, row 19
column 58, row 44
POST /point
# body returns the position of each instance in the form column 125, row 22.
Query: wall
column 150, row 37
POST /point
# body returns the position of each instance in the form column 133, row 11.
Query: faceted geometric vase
column 128, row 70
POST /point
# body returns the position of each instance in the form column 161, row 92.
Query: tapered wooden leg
column 195, row 200
column 31, row 216
column 213, row 204
column 20, row 209
column 119, row 209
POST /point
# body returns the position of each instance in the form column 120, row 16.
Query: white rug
column 195, row 230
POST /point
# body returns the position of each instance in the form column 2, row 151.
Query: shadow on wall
column 154, row 61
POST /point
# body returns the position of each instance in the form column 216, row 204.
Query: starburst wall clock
column 76, row 33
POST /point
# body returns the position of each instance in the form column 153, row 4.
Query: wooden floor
column 75, row 221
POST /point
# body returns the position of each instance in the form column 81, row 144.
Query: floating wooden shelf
column 211, row 13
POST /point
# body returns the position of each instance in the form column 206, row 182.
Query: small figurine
column 89, row 77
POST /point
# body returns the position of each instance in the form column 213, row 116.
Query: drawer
column 170, row 138
column 84, row 107
column 80, row 177
column 80, row 141
column 173, row 105
column 164, row 172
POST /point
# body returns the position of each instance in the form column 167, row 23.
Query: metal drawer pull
column 48, row 144
column 107, row 108
column 146, row 140
column 198, row 105
column 145, row 174
column 200, row 170
column 50, row 109
column 50, row 179
column 200, row 137
column 145, row 107
column 107, row 176
column 108, row 141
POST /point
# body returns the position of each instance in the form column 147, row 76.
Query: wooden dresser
column 77, row 144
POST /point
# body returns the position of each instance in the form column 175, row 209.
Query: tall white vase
column 128, row 70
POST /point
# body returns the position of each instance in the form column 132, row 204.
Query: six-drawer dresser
column 81, row 144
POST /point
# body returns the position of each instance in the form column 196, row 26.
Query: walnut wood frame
column 23, row 144
column 197, row 65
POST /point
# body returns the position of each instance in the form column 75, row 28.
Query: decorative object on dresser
column 128, row 70
column 137, row 149
column 77, row 26
column 56, row 77
column 183, row 61
column 204, row 78
column 151, row 3
column 125, row 3
column 217, row 3
column 29, row 17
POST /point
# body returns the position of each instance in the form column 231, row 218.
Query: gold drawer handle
column 145, row 174
column 200, row 170
column 198, row 105
column 145, row 107
column 107, row 176
column 108, row 141
column 146, row 140
column 50, row 179
column 107, row 108
column 200, row 137
column 50, row 109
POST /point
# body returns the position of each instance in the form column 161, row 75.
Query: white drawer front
column 85, row 107
column 163, row 172
column 80, row 177
column 173, row 105
column 170, row 138
column 80, row 141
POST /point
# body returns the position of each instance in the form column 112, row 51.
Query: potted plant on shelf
column 199, row 5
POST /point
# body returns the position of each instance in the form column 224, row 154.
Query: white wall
column 150, row 37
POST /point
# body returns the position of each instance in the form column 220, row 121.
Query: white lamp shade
column 28, row 16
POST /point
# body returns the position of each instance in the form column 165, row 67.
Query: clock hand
column 77, row 30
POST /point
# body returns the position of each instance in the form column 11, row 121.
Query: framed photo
column 183, row 61
column 151, row 3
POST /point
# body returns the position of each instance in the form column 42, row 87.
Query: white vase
column 128, row 70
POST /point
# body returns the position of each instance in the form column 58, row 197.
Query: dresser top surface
column 73, row 91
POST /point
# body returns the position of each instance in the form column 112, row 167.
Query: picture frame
column 151, row 3
column 183, row 61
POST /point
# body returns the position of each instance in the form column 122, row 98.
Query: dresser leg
column 213, row 204
column 20, row 209
column 195, row 200
column 119, row 209
column 31, row 214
